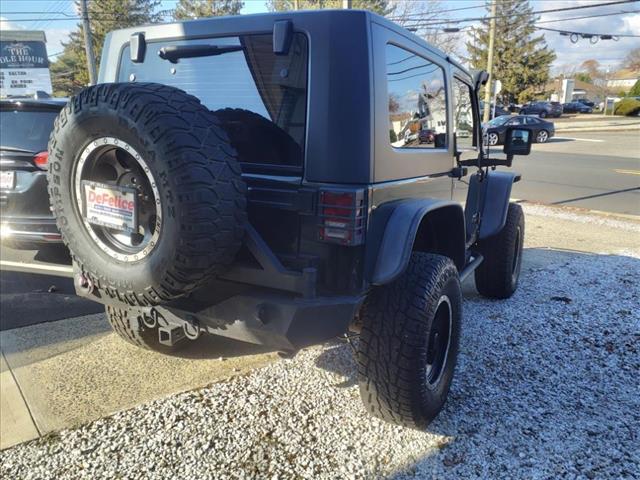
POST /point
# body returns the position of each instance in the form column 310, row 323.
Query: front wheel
column 542, row 136
column 543, row 114
column 409, row 342
column 493, row 139
column 498, row 274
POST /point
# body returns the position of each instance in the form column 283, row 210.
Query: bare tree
column 417, row 14
column 632, row 60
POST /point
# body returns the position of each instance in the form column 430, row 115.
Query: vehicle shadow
column 545, row 383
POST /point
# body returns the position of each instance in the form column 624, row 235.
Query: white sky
column 14, row 13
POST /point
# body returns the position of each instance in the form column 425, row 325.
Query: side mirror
column 517, row 141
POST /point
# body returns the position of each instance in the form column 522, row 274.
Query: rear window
column 26, row 130
column 253, row 78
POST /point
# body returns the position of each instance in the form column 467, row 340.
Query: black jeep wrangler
column 284, row 179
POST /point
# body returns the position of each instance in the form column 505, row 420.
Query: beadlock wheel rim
column 112, row 161
column 439, row 341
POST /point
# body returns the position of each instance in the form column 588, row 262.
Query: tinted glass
column 254, row 79
column 26, row 130
column 516, row 121
column 463, row 114
column 417, row 101
column 531, row 121
column 496, row 122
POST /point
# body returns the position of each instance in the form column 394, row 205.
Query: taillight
column 41, row 160
column 342, row 217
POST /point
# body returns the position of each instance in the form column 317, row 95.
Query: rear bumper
column 29, row 230
column 25, row 215
column 280, row 321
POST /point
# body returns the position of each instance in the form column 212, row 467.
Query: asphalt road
column 598, row 171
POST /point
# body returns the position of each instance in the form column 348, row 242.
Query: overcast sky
column 39, row 15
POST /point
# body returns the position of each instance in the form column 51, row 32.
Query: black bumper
column 278, row 320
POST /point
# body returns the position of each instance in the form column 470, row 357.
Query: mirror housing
column 518, row 141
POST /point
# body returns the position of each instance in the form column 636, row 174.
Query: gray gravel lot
column 547, row 386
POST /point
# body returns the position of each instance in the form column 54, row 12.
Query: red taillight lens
column 341, row 217
column 41, row 160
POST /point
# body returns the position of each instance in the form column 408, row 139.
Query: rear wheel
column 409, row 342
column 498, row 274
column 542, row 136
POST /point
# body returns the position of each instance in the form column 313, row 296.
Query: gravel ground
column 547, row 386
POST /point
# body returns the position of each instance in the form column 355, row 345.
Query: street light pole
column 88, row 43
column 487, row 87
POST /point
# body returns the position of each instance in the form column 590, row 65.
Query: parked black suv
column 263, row 177
column 542, row 109
column 25, row 215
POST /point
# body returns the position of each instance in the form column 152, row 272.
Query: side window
column 463, row 115
column 516, row 121
column 530, row 120
column 417, row 101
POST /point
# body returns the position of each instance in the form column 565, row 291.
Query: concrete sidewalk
column 69, row 372
column 595, row 123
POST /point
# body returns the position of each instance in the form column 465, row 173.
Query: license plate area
column 110, row 206
column 7, row 180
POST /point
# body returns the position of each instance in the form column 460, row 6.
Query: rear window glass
column 26, row 130
column 253, row 79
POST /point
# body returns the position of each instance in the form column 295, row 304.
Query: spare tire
column 151, row 159
column 259, row 140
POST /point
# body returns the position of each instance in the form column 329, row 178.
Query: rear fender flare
column 393, row 229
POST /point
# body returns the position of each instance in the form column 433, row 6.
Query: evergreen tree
column 381, row 7
column 521, row 60
column 207, row 8
column 69, row 72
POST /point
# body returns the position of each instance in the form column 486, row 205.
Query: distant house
column 578, row 89
column 623, row 79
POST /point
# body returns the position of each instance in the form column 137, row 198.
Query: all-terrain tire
column 133, row 331
column 202, row 197
column 258, row 140
column 498, row 274
column 395, row 342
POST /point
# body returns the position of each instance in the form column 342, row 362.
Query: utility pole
column 346, row 4
column 296, row 5
column 88, row 42
column 487, row 87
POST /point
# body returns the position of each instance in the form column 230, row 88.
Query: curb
column 580, row 210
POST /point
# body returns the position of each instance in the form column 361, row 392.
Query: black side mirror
column 518, row 141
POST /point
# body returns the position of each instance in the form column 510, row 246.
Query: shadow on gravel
column 213, row 346
column 547, row 382
column 332, row 359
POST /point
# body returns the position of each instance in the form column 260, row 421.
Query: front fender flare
column 392, row 233
column 491, row 199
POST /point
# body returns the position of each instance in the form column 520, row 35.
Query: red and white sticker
column 110, row 206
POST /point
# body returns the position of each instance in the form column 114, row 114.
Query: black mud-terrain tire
column 202, row 197
column 258, row 140
column 133, row 331
column 394, row 346
column 498, row 274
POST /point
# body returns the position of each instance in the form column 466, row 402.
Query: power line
column 588, row 35
column 588, row 16
column 539, row 22
column 539, row 12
